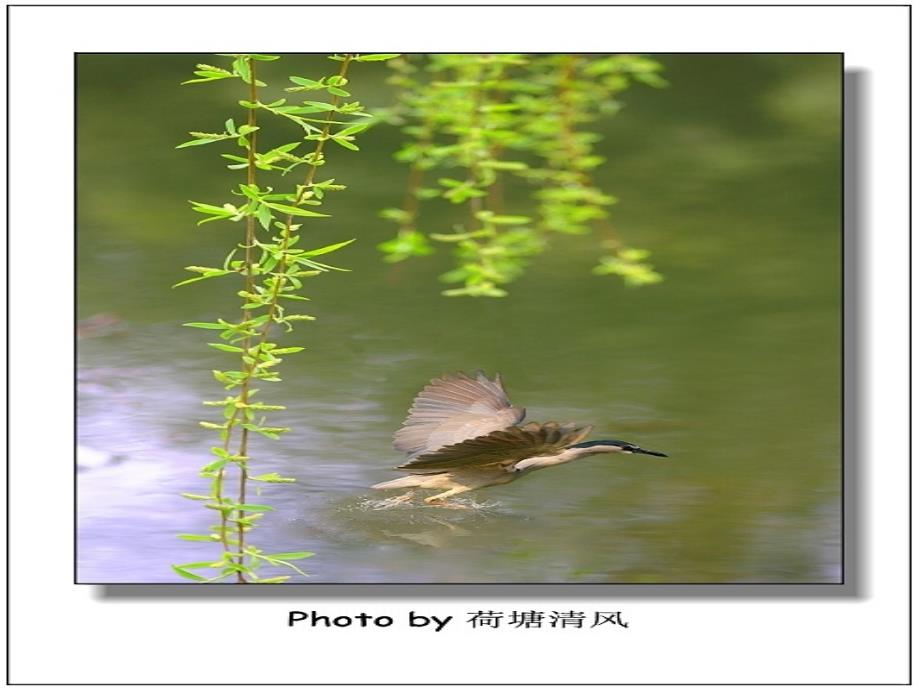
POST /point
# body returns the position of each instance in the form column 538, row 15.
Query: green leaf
column 302, row 81
column 353, row 129
column 291, row 556
column 509, row 220
column 225, row 348
column 630, row 254
column 202, row 269
column 376, row 57
column 212, row 210
column 216, row 465
column 199, row 537
column 198, row 564
column 207, row 273
column 406, row 244
column 212, row 425
column 186, row 574
column 328, row 248
column 202, row 324
column 320, row 106
column 250, row 191
column 344, row 143
column 459, row 236
column 214, row 76
column 503, row 165
column 273, row 478
column 201, row 142
column 295, row 210
column 194, row 280
column 264, row 215
column 241, row 67
column 320, row 266
column 280, row 561
column 263, row 406
column 252, row 507
column 397, row 215
column 475, row 291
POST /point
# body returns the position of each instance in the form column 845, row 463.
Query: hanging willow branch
column 273, row 270
column 479, row 123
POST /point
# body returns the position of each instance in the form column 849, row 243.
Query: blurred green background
column 731, row 177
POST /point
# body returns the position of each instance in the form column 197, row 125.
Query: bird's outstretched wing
column 453, row 408
column 505, row 447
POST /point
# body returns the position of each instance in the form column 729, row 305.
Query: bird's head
column 615, row 446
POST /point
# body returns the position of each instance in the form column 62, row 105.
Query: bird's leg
column 439, row 499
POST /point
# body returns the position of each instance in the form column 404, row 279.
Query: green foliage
column 628, row 264
column 479, row 126
column 273, row 268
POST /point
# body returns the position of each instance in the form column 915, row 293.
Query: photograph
column 459, row 318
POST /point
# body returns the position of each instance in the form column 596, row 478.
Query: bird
column 462, row 434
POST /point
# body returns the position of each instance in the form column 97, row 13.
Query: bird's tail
column 401, row 483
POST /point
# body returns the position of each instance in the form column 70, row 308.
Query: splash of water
column 401, row 503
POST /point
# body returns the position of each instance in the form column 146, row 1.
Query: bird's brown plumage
column 454, row 408
column 503, row 447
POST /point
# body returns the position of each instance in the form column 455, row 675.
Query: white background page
column 65, row 633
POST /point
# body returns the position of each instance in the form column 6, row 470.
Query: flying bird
column 462, row 433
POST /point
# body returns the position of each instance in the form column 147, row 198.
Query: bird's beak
column 651, row 452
